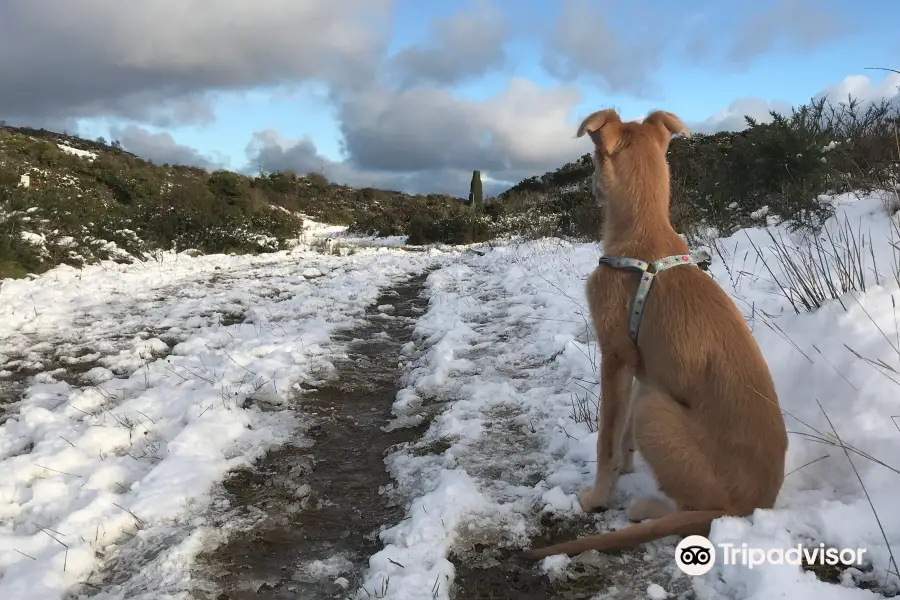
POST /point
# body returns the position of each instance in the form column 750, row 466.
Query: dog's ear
column 596, row 120
column 603, row 127
column 667, row 123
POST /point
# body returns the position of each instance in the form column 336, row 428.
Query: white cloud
column 860, row 87
column 863, row 89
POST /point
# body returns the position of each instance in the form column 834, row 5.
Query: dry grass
column 821, row 267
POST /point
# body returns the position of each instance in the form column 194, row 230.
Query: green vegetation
column 103, row 203
column 89, row 201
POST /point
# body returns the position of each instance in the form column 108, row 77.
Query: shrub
column 8, row 177
column 318, row 181
column 79, row 206
column 463, row 228
column 226, row 185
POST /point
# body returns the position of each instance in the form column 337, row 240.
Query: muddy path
column 319, row 504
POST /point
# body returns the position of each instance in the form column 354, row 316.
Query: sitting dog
column 682, row 377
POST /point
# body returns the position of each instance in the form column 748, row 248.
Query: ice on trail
column 511, row 366
column 151, row 381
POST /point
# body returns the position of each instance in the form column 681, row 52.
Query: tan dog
column 693, row 392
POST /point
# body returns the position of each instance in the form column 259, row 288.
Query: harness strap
column 644, row 267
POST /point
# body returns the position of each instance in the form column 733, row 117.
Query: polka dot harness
column 640, row 296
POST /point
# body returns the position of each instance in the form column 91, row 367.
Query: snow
column 510, row 366
column 335, row 237
column 315, row 231
column 315, row 570
column 35, row 239
column 77, row 151
column 503, row 372
column 172, row 399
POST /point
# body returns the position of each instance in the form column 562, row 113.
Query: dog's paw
column 648, row 507
column 593, row 501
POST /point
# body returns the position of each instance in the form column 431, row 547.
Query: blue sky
column 691, row 57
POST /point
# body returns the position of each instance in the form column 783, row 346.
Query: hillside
column 776, row 171
column 87, row 200
column 64, row 199
column 729, row 180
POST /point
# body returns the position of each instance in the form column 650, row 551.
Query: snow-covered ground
column 512, row 365
column 318, row 232
column 192, row 362
column 87, row 154
column 188, row 365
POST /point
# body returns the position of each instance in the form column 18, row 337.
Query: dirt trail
column 322, row 502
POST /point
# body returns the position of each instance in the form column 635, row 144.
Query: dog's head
column 628, row 153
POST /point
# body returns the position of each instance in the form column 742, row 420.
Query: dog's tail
column 684, row 523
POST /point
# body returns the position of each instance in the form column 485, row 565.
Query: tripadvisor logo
column 695, row 555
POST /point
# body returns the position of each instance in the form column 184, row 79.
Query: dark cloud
column 523, row 128
column 422, row 141
column 798, row 25
column 158, row 60
column 161, row 148
column 465, row 45
column 582, row 44
column 269, row 151
column 60, row 124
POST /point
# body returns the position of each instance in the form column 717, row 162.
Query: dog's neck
column 636, row 222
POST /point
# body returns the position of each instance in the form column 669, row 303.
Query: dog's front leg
column 616, row 378
column 628, row 443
